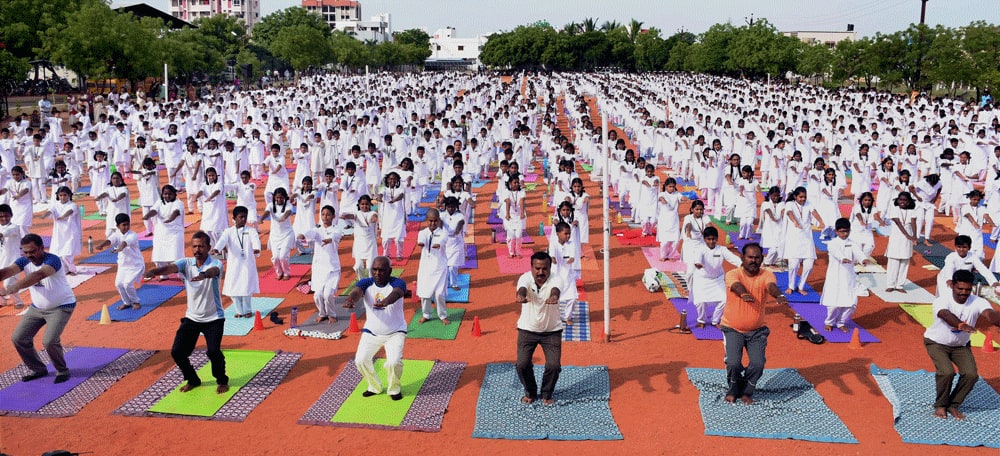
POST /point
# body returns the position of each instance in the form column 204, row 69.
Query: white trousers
column 325, row 292
column 896, row 272
column 365, row 360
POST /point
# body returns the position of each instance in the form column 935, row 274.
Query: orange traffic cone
column 476, row 330
column 855, row 343
column 988, row 343
column 105, row 315
column 353, row 328
column 258, row 324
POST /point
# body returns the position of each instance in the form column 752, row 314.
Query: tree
column 348, row 51
column 608, row 26
column 222, row 32
column 712, row 55
column 588, row 25
column 267, row 29
column 413, row 37
column 981, row 42
column 24, row 22
column 622, row 48
column 302, row 46
column 816, row 60
column 651, row 52
column 758, row 49
column 633, row 30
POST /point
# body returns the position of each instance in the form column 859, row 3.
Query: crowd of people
column 335, row 156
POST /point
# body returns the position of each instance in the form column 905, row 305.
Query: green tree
column 224, row 33
column 758, row 49
column 633, row 30
column 948, row 64
column 981, row 42
column 23, row 23
column 414, row 37
column 267, row 29
column 712, row 54
column 651, row 52
column 622, row 49
column 302, row 46
column 816, row 60
column 348, row 51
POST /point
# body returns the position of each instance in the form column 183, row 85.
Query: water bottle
column 795, row 322
column 90, row 244
column 684, row 321
column 293, row 319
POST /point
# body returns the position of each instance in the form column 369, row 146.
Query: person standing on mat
column 540, row 323
column 947, row 342
column 749, row 288
column 385, row 326
column 204, row 313
column 52, row 304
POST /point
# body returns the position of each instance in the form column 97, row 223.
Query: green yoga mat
column 380, row 409
column 924, row 315
column 396, row 272
column 721, row 224
column 433, row 329
column 241, row 366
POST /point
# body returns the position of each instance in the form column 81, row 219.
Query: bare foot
column 221, row 389
column 700, row 325
column 422, row 320
column 747, row 400
column 890, row 290
column 927, row 243
column 136, row 306
column 955, row 412
column 730, row 398
column 188, row 387
column 527, row 400
column 828, row 328
column 941, row 412
column 788, row 291
column 445, row 321
column 124, row 306
column 803, row 292
column 549, row 401
column 844, row 329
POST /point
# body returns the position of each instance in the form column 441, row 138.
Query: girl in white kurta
column 277, row 174
column 18, row 192
column 691, row 229
column 453, row 224
column 839, row 290
column 432, row 274
column 565, row 266
column 829, row 194
column 193, row 169
column 927, row 192
column 352, row 187
column 125, row 243
column 304, row 201
column 366, row 222
column 668, row 223
column 771, row 226
column 281, row 238
column 746, row 204
column 865, row 218
column 799, row 250
column 709, row 277
column 903, row 234
column 213, row 202
column 66, row 228
column 149, row 189
column 117, row 197
column 974, row 217
column 168, row 215
column 456, row 190
column 242, row 246
column 392, row 214
column 861, row 172
column 514, row 216
column 329, row 191
column 580, row 200
column 645, row 211
column 100, row 174
column 325, row 240
column 245, row 197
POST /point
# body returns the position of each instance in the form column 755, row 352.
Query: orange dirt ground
column 652, row 401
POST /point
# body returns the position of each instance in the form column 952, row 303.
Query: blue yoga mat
column 430, row 196
column 911, row 395
column 242, row 326
column 579, row 331
column 781, row 279
column 708, row 332
column 109, row 257
column 786, row 406
column 419, row 216
column 151, row 296
column 471, row 257
column 462, row 294
column 820, row 245
column 83, row 362
column 581, row 411
column 815, row 314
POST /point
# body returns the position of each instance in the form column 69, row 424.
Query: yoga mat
column 150, row 296
column 530, row 178
column 652, row 255
column 501, row 237
column 815, row 314
column 781, row 279
column 709, row 332
column 420, row 213
column 876, row 284
column 251, row 387
column 434, row 329
column 381, row 410
column 83, row 274
column 935, row 250
column 83, row 362
column 786, row 406
column 911, row 395
column 91, row 382
column 242, row 326
column 510, row 265
column 924, row 315
column 241, row 366
column 269, row 283
column 471, row 257
column 409, row 245
column 396, row 272
column 820, row 244
column 989, row 242
column 579, row 331
column 109, row 257
column 331, row 330
column 634, row 237
column 669, row 288
column 301, row 259
column 430, row 196
column 724, row 228
column 425, row 412
column 530, row 187
column 494, row 218
column 581, row 410
column 873, row 267
column 462, row 294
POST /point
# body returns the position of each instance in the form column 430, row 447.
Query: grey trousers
column 943, row 357
column 742, row 380
column 551, row 343
column 24, row 337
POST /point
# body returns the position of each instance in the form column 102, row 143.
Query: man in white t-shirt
column 385, row 326
column 204, row 313
column 540, row 323
column 52, row 304
column 947, row 342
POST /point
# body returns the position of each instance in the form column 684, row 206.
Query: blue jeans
column 743, row 380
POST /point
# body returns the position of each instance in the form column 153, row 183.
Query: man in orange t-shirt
column 749, row 288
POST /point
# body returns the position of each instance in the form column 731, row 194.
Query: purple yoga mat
column 82, row 362
column 502, row 238
column 494, row 218
column 471, row 257
column 815, row 314
column 708, row 332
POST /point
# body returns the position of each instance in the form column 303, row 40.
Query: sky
column 475, row 17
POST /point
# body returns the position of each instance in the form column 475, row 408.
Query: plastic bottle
column 293, row 318
column 795, row 322
column 90, row 244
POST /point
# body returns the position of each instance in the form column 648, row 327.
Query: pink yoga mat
column 269, row 283
column 510, row 265
column 409, row 245
column 502, row 238
column 652, row 255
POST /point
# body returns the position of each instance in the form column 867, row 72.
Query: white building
column 451, row 52
column 830, row 39
column 189, row 10
column 345, row 16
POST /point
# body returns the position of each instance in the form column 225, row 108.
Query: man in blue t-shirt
column 52, row 304
column 204, row 313
column 385, row 326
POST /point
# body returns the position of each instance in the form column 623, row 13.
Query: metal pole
column 166, row 84
column 923, row 11
column 606, row 221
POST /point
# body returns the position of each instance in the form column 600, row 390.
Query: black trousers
column 187, row 338
column 551, row 343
